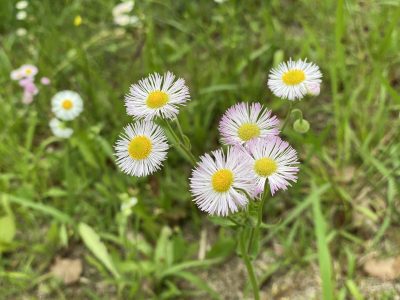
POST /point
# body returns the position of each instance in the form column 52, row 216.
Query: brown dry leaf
column 385, row 269
column 68, row 270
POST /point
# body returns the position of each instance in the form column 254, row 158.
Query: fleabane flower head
column 274, row 160
column 123, row 8
column 29, row 71
column 67, row 105
column 157, row 96
column 244, row 122
column 290, row 80
column 219, row 181
column 141, row 149
column 59, row 129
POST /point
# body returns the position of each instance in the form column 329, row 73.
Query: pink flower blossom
column 45, row 81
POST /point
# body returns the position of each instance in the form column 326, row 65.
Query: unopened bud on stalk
column 301, row 125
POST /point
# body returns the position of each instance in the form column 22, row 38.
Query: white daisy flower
column 244, row 122
column 67, row 105
column 28, row 71
column 123, row 8
column 59, row 129
column 275, row 160
column 21, row 4
column 219, row 182
column 290, row 79
column 141, row 149
column 16, row 74
column 157, row 96
column 21, row 15
column 21, row 31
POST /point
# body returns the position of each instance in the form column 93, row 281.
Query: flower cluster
column 66, row 106
column 253, row 158
column 121, row 14
column 25, row 75
column 21, row 15
column 143, row 146
column 224, row 183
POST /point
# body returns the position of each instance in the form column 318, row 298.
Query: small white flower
column 21, row 31
column 290, row 79
column 123, row 8
column 21, row 15
column 67, row 105
column 16, row 74
column 273, row 160
column 21, row 4
column 244, row 122
column 122, row 20
column 219, row 182
column 157, row 96
column 141, row 149
column 314, row 89
column 59, row 129
column 28, row 71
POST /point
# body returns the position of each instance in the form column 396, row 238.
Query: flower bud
column 301, row 125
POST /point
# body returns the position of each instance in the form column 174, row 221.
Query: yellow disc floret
column 67, row 104
column 157, row 99
column 222, row 180
column 265, row 166
column 293, row 77
column 140, row 147
column 248, row 131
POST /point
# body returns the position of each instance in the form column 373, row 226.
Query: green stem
column 249, row 267
column 287, row 116
column 180, row 143
column 259, row 217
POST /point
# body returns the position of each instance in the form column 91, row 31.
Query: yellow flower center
column 140, row 147
column 293, row 77
column 222, row 180
column 67, row 104
column 248, row 131
column 157, row 99
column 265, row 166
column 28, row 71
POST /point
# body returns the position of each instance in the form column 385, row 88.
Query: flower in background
column 121, row 14
column 290, row 79
column 157, row 96
column 28, row 71
column 29, row 86
column 77, row 21
column 219, row 182
column 45, row 81
column 21, row 4
column 123, row 8
column 59, row 129
column 244, row 122
column 274, row 160
column 220, row 1
column 313, row 89
column 16, row 74
column 141, row 149
column 21, row 15
column 21, row 31
column 67, row 105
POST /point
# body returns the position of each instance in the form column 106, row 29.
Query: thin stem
column 287, row 116
column 180, row 143
column 259, row 217
column 249, row 267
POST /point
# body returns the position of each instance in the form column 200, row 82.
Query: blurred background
column 73, row 225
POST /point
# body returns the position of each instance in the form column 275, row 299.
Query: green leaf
column 7, row 231
column 164, row 254
column 324, row 257
column 198, row 282
column 97, row 247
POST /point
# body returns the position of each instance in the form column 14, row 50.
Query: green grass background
column 224, row 51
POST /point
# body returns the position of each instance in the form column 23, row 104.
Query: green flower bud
column 301, row 126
